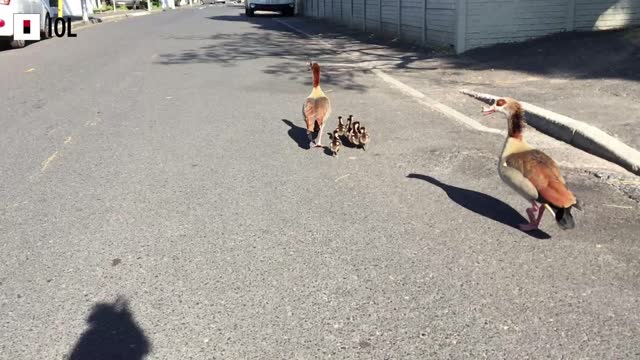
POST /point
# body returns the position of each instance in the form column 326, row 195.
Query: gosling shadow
column 346, row 143
column 484, row 205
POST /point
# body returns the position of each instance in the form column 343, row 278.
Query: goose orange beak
column 488, row 110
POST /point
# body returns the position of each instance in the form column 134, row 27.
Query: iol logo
column 27, row 27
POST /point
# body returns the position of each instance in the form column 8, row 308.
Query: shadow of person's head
column 112, row 334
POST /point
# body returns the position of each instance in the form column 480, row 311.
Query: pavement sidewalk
column 591, row 77
column 435, row 77
column 77, row 22
column 118, row 15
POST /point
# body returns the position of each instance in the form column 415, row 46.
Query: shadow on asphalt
column 112, row 334
column 243, row 18
column 297, row 134
column 281, row 42
column 613, row 54
column 5, row 46
column 347, row 144
column 582, row 55
column 327, row 151
column 292, row 52
column 483, row 204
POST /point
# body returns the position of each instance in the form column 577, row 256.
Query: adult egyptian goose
column 530, row 172
column 316, row 108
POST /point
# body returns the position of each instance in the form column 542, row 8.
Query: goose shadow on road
column 297, row 134
column 484, row 205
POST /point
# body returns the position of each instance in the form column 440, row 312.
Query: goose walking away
column 316, row 108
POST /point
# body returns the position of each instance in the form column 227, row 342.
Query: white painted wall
column 468, row 24
column 492, row 21
column 441, row 21
column 385, row 15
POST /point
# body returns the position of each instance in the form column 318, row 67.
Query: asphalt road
column 158, row 199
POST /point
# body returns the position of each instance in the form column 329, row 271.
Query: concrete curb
column 575, row 133
column 79, row 24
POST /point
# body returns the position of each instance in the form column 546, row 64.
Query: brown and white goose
column 316, row 108
column 532, row 173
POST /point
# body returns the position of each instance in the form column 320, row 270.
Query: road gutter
column 79, row 24
column 573, row 132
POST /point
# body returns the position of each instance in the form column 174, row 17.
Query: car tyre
column 44, row 32
column 17, row 44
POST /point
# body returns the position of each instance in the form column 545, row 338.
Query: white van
column 286, row 7
column 10, row 7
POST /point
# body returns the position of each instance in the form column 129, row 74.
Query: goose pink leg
column 533, row 225
column 531, row 212
column 319, row 138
